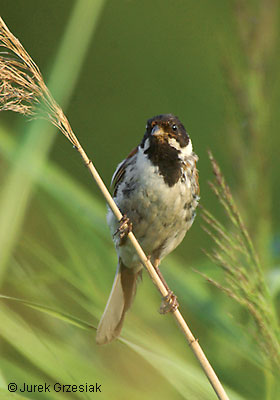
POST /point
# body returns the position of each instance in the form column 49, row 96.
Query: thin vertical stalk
column 257, row 30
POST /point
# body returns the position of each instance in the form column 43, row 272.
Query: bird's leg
column 169, row 302
column 156, row 264
column 124, row 229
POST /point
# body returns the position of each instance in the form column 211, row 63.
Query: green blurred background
column 111, row 65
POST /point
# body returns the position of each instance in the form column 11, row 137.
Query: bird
column 157, row 190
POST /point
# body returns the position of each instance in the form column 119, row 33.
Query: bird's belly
column 160, row 216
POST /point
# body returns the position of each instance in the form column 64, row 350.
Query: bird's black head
column 166, row 128
column 166, row 144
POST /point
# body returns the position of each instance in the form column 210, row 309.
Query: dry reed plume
column 22, row 87
column 245, row 281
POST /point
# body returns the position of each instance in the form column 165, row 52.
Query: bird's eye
column 174, row 127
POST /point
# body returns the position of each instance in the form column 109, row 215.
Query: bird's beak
column 157, row 131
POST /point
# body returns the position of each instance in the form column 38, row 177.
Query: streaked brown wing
column 119, row 173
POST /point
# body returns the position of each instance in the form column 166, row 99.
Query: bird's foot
column 124, row 229
column 169, row 303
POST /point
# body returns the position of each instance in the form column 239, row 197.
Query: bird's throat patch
column 165, row 157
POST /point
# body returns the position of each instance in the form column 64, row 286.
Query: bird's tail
column 120, row 299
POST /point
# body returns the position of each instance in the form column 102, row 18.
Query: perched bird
column 156, row 187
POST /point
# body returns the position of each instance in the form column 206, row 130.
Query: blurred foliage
column 112, row 65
